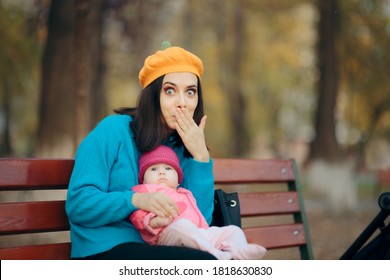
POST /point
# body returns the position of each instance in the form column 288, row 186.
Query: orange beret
column 170, row 60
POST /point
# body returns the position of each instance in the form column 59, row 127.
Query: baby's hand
column 157, row 222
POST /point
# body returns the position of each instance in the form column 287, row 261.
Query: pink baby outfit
column 185, row 202
column 190, row 228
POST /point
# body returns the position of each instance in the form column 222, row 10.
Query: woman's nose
column 182, row 103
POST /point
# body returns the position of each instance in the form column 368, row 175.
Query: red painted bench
column 267, row 189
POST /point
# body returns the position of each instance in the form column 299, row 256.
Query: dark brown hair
column 148, row 124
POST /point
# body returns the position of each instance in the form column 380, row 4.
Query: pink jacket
column 185, row 202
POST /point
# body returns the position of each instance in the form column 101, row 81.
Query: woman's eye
column 168, row 168
column 169, row 91
column 191, row 92
column 154, row 168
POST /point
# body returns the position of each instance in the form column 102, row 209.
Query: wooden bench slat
column 229, row 171
column 59, row 251
column 20, row 174
column 31, row 217
column 253, row 204
column 278, row 236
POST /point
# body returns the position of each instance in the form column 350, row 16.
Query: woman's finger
column 202, row 124
column 182, row 119
column 192, row 134
column 165, row 206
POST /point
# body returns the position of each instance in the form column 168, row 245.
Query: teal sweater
column 99, row 198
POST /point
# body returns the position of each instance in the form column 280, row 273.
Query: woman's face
column 179, row 90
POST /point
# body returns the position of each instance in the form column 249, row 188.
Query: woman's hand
column 158, row 203
column 192, row 134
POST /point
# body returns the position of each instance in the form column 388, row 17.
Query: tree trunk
column 326, row 174
column 189, row 24
column 90, row 99
column 73, row 92
column 230, row 60
column 98, row 70
column 82, row 69
column 237, row 106
column 5, row 142
column 325, row 146
column 56, row 123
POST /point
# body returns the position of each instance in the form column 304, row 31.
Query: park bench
column 268, row 189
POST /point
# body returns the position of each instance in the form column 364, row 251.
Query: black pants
column 137, row 251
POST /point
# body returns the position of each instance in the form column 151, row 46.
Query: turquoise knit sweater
column 99, row 198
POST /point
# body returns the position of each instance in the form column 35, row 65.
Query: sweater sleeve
column 90, row 200
column 199, row 179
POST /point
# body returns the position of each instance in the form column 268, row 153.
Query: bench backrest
column 26, row 217
column 271, row 201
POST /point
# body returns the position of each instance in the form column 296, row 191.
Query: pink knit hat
column 162, row 154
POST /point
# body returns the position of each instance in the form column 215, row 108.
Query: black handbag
column 226, row 209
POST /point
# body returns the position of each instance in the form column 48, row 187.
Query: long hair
column 148, row 124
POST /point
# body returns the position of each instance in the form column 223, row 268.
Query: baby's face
column 161, row 174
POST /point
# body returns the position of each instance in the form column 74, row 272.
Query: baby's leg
column 232, row 239
column 184, row 233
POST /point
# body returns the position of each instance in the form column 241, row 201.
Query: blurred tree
column 360, row 40
column 57, row 100
column 71, row 69
column 19, row 53
column 97, row 54
column 278, row 75
column 365, row 42
column 90, row 99
column 189, row 23
column 139, row 21
column 324, row 145
column 230, row 31
column 82, row 69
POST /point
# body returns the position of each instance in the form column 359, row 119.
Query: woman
column 100, row 200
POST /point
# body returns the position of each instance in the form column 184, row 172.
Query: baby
column 160, row 172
